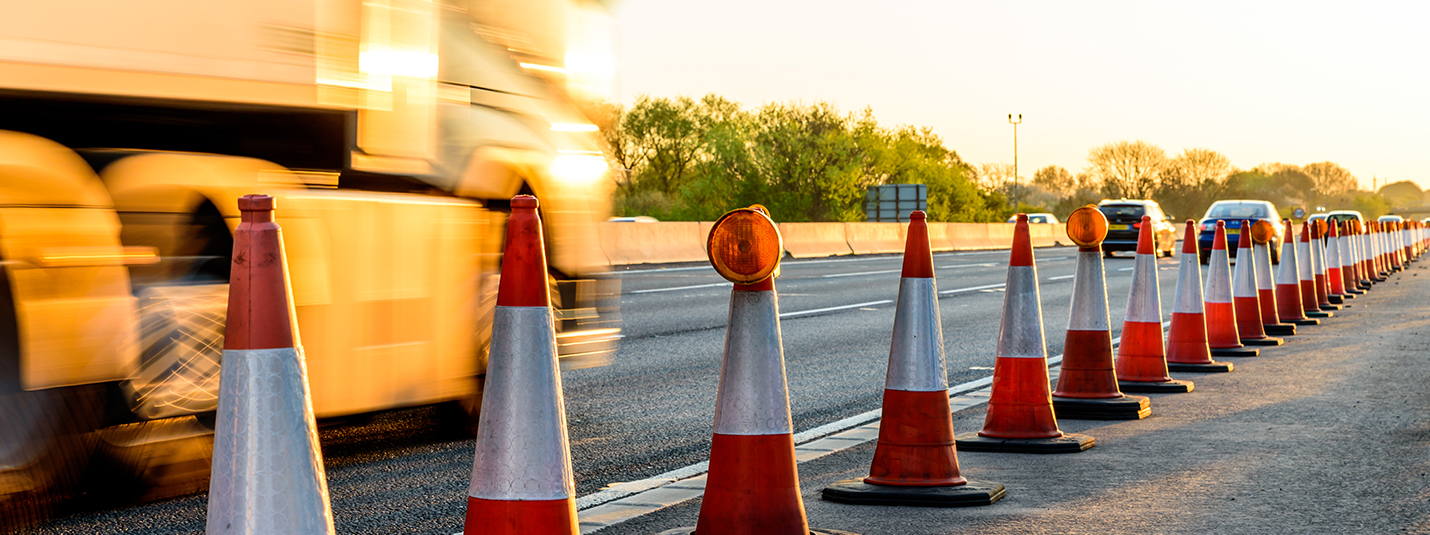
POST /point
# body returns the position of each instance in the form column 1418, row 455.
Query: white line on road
column 966, row 265
column 881, row 272
column 973, row 288
column 680, row 288
column 1061, row 277
column 832, row 309
column 1126, row 269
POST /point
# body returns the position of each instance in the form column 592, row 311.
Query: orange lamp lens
column 745, row 246
column 1262, row 231
column 1087, row 227
column 1321, row 227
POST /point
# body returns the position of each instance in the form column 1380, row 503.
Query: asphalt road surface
column 652, row 411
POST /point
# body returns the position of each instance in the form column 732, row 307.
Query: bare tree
column 995, row 176
column 1204, row 169
column 1331, row 180
column 1056, row 180
column 1130, row 169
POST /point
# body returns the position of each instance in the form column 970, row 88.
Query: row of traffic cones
column 268, row 475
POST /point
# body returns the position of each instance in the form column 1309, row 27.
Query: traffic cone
column 1357, row 241
column 1087, row 380
column 1367, row 261
column 1377, row 248
column 1020, row 409
column 1266, row 292
column 267, row 472
column 1221, row 311
column 1395, row 246
column 1318, row 263
column 1334, row 279
column 1288, row 283
column 1187, row 348
column 1245, row 297
column 1307, row 274
column 521, row 474
column 1141, row 357
column 914, row 460
column 1349, row 280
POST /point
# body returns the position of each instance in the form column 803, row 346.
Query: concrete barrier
column 938, row 236
column 639, row 243
column 809, row 240
column 967, row 236
column 1042, row 234
column 1000, row 235
column 874, row 238
column 1060, row 234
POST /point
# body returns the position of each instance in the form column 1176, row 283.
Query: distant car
column 1124, row 222
column 1339, row 216
column 633, row 219
column 1037, row 219
column 1392, row 218
column 1232, row 212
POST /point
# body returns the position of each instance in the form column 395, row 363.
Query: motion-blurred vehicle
column 1390, row 219
column 392, row 134
column 1232, row 212
column 1038, row 219
column 1124, row 222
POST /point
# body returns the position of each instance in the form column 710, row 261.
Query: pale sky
column 1292, row 82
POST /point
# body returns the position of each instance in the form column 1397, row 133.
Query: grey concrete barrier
column 875, row 238
column 1000, row 235
column 967, row 236
column 808, row 240
column 639, row 243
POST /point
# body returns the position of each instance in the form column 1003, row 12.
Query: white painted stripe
column 967, row 265
column 1061, row 277
column 880, row 272
column 656, row 270
column 678, row 288
column 832, row 309
column 621, row 502
column 1126, row 269
column 973, row 289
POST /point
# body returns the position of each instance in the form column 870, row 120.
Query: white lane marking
column 1127, row 269
column 620, row 502
column 832, row 309
column 656, row 270
column 881, row 272
column 680, row 288
column 973, row 288
column 967, row 265
column 1061, row 277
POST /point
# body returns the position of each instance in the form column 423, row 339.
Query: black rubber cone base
column 1268, row 341
column 1305, row 321
column 1068, row 443
column 857, row 492
column 1123, row 408
column 1235, row 352
column 1280, row 329
column 1329, row 307
column 1170, row 387
column 1353, row 293
column 1213, row 367
column 691, row 531
column 1319, row 314
column 1336, row 299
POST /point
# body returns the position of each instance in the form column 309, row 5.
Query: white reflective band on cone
column 267, row 475
column 1347, row 251
column 1188, row 299
column 1261, row 256
column 1089, row 295
column 1218, row 285
column 521, row 432
column 1303, row 266
column 1143, row 303
column 1318, row 257
column 916, row 359
column 1333, row 254
column 1245, row 283
column 1021, row 308
column 753, row 398
column 1288, row 273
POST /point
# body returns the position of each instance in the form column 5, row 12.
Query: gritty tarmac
column 1329, row 433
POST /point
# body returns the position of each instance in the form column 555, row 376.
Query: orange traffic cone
column 1245, row 297
column 914, row 461
column 1265, row 282
column 1377, row 248
column 521, row 474
column 1318, row 257
column 1020, row 410
column 1221, row 309
column 1187, row 349
column 1087, row 382
column 1349, row 281
column 1141, row 357
column 1288, row 282
column 1393, row 246
column 1335, row 281
column 267, row 469
column 1357, row 241
column 1307, row 272
column 753, row 484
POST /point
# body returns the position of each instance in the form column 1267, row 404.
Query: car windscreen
column 1122, row 210
column 1238, row 211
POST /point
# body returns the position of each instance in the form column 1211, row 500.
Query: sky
column 1290, row 82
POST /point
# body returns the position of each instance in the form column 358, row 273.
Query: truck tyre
column 45, row 447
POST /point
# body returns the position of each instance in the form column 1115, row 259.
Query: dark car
column 1232, row 213
column 1124, row 222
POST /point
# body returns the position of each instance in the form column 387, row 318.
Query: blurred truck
column 391, row 132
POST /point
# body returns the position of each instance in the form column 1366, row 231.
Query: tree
column 1129, row 169
column 1331, row 180
column 665, row 137
column 1056, row 180
column 1192, row 181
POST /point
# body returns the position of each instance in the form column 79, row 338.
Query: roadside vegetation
column 690, row 159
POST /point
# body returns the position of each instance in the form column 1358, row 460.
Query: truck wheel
column 181, row 348
column 45, row 448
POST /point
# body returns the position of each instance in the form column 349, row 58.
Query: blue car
column 1232, row 213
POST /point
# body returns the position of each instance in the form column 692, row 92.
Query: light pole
column 1015, row 157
